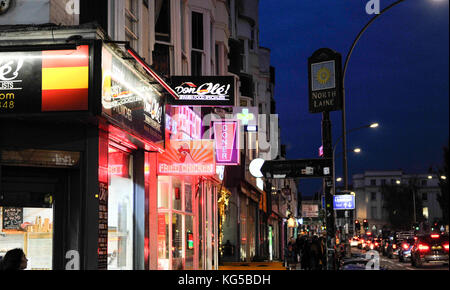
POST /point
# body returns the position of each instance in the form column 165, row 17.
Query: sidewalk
column 252, row 266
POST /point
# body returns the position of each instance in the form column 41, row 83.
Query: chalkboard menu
column 12, row 218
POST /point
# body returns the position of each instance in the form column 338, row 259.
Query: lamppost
column 344, row 125
column 356, row 150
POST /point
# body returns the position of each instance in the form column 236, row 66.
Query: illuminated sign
column 344, row 201
column 310, row 210
column 130, row 99
column 182, row 123
column 44, row 81
column 226, row 137
column 204, row 90
column 248, row 117
column 187, row 157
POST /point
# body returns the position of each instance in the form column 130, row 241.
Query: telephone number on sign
column 5, row 105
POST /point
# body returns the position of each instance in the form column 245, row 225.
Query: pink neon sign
column 226, row 140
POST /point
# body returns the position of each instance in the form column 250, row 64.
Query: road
column 394, row 264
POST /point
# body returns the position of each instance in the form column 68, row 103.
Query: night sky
column 398, row 76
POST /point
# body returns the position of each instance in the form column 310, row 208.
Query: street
column 394, row 264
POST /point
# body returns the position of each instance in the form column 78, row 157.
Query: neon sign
column 226, row 139
column 188, row 157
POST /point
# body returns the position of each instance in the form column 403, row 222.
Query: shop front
column 188, row 188
column 81, row 127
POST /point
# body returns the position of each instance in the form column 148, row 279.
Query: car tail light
column 446, row 246
column 394, row 246
column 405, row 246
column 371, row 246
column 376, row 243
column 435, row 236
column 423, row 248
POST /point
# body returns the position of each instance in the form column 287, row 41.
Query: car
column 354, row 241
column 404, row 253
column 430, row 249
column 393, row 248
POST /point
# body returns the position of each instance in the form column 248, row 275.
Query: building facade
column 370, row 202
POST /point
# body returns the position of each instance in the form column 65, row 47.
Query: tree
column 399, row 203
column 443, row 184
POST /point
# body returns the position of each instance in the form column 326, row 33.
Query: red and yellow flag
column 65, row 79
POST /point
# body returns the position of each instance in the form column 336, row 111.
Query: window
column 183, row 25
column 373, row 182
column 373, row 211
column 424, row 182
column 131, row 23
column 425, row 212
column 242, row 60
column 120, row 210
column 197, row 44
column 162, row 58
column 373, row 196
column 197, row 30
column 424, row 196
column 217, row 60
column 383, row 181
column 163, row 50
column 162, row 20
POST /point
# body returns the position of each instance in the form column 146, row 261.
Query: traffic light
column 357, row 226
column 365, row 224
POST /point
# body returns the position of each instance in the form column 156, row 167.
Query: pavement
column 252, row 266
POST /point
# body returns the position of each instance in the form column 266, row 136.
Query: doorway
column 32, row 214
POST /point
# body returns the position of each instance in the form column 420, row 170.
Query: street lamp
column 344, row 125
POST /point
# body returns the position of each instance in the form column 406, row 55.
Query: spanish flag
column 65, row 79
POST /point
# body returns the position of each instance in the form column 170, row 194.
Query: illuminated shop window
column 120, row 210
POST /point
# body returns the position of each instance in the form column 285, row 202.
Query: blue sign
column 343, row 202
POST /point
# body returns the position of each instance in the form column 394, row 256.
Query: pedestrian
column 14, row 260
column 306, row 255
column 315, row 253
column 291, row 254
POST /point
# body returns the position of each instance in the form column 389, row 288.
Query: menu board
column 12, row 218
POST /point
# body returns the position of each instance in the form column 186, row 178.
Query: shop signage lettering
column 325, row 81
column 129, row 99
column 204, row 90
column 188, row 157
column 226, row 137
column 40, row 158
column 44, row 81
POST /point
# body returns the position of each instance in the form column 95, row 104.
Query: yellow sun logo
column 323, row 75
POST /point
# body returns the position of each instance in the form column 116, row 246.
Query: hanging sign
column 188, row 157
column 325, row 81
column 226, row 140
column 204, row 90
column 44, row 81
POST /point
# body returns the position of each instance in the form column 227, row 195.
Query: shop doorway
column 31, row 214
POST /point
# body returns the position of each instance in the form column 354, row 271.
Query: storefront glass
column 30, row 229
column 176, row 223
column 120, row 210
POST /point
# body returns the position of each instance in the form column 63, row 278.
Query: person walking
column 306, row 255
column 14, row 260
column 315, row 253
column 291, row 254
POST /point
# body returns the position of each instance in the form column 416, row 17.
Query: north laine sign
column 325, row 81
column 204, row 90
